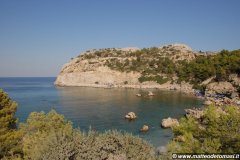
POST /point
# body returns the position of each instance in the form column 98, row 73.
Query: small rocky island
column 172, row 67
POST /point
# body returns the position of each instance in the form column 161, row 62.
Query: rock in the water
column 145, row 128
column 150, row 93
column 195, row 113
column 131, row 115
column 169, row 122
column 139, row 95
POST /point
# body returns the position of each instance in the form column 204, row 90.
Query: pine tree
column 216, row 132
column 8, row 132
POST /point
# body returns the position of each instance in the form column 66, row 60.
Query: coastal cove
column 100, row 108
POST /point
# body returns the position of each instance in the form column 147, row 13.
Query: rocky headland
column 92, row 68
column 172, row 67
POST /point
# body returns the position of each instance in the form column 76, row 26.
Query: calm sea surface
column 100, row 108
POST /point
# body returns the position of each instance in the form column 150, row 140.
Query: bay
column 100, row 108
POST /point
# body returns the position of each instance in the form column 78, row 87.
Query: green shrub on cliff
column 215, row 132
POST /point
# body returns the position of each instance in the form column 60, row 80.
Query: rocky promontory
column 173, row 67
column 93, row 68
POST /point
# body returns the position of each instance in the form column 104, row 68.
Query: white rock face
column 182, row 47
column 133, row 49
column 105, row 77
column 100, row 77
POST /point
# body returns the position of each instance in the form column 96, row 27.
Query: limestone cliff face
column 100, row 76
column 91, row 69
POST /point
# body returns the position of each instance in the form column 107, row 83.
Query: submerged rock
column 145, row 128
column 150, row 93
column 169, row 122
column 139, row 95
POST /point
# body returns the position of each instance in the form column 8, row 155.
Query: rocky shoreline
column 176, row 87
column 210, row 96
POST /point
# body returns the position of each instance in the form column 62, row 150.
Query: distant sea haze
column 100, row 108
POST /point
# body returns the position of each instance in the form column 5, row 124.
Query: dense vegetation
column 50, row 136
column 162, row 64
column 216, row 132
column 203, row 67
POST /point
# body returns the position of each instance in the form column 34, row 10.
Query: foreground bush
column 47, row 136
column 50, row 136
column 9, row 137
column 216, row 132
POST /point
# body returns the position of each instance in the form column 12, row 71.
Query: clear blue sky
column 38, row 36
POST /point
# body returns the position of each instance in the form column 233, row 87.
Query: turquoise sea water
column 100, row 108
